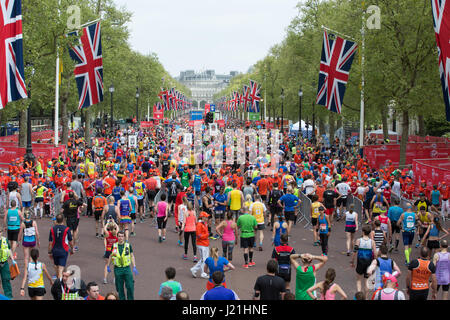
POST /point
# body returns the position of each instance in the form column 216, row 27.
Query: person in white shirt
column 343, row 189
column 309, row 187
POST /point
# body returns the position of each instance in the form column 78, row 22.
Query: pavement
column 152, row 258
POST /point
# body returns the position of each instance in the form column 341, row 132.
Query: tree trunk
column 64, row 118
column 332, row 124
column 384, row 121
column 405, row 134
column 321, row 126
column 87, row 127
column 23, row 128
column 421, row 125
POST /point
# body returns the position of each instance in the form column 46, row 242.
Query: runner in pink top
column 162, row 209
column 227, row 230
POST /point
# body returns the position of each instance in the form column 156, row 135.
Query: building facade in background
column 205, row 84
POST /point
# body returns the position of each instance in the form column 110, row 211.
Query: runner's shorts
column 247, row 242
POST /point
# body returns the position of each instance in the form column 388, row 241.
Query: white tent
column 295, row 126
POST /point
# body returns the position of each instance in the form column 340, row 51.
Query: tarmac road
column 152, row 258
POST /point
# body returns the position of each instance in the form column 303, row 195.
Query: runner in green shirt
column 247, row 225
column 306, row 273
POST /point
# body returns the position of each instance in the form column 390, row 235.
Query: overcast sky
column 224, row 35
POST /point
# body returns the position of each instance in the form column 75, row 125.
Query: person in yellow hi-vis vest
column 122, row 257
column 5, row 254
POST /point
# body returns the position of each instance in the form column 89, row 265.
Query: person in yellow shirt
column 257, row 209
column 315, row 205
column 235, row 200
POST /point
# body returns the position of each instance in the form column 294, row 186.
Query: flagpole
column 148, row 111
column 361, row 125
column 57, row 101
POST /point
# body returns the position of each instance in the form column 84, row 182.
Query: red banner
column 158, row 114
column 147, row 124
column 221, row 123
column 207, row 108
column 378, row 155
column 433, row 171
column 192, row 123
column 9, row 153
column 35, row 136
column 269, row 125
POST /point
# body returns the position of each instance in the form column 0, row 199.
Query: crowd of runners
column 222, row 215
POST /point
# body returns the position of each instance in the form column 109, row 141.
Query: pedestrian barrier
column 304, row 210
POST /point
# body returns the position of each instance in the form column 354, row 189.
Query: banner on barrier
column 35, row 136
column 9, row 153
column 378, row 155
column 434, row 171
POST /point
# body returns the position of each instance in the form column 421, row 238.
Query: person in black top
column 275, row 208
column 68, row 284
column 282, row 255
column 270, row 286
column 329, row 200
column 70, row 212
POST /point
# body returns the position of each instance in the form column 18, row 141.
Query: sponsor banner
column 221, row 123
column 35, row 136
column 9, row 153
column 147, row 124
column 192, row 123
column 433, row 171
column 378, row 155
column 158, row 114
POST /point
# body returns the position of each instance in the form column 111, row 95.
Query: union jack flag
column 89, row 66
column 441, row 17
column 12, row 77
column 255, row 89
column 335, row 64
column 245, row 98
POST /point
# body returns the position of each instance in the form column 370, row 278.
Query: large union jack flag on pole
column 335, row 64
column 441, row 18
column 89, row 66
column 255, row 89
column 12, row 78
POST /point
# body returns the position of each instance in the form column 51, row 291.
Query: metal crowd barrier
column 304, row 213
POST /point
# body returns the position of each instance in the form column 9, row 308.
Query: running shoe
column 180, row 243
column 142, row 220
column 391, row 248
column 260, row 248
column 184, row 256
column 15, row 256
column 96, row 235
column 193, row 273
column 159, row 239
column 204, row 276
column 251, row 264
column 348, row 254
column 105, row 281
column 245, row 266
column 164, row 239
column 195, row 259
column 75, row 248
column 315, row 244
column 417, row 245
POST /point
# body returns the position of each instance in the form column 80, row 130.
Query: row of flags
column 336, row 61
column 247, row 101
column 172, row 99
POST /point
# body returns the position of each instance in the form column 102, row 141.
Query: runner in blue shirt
column 219, row 292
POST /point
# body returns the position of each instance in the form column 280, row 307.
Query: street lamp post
column 314, row 123
column 111, row 90
column 29, row 156
column 300, row 95
column 282, row 108
column 137, row 105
